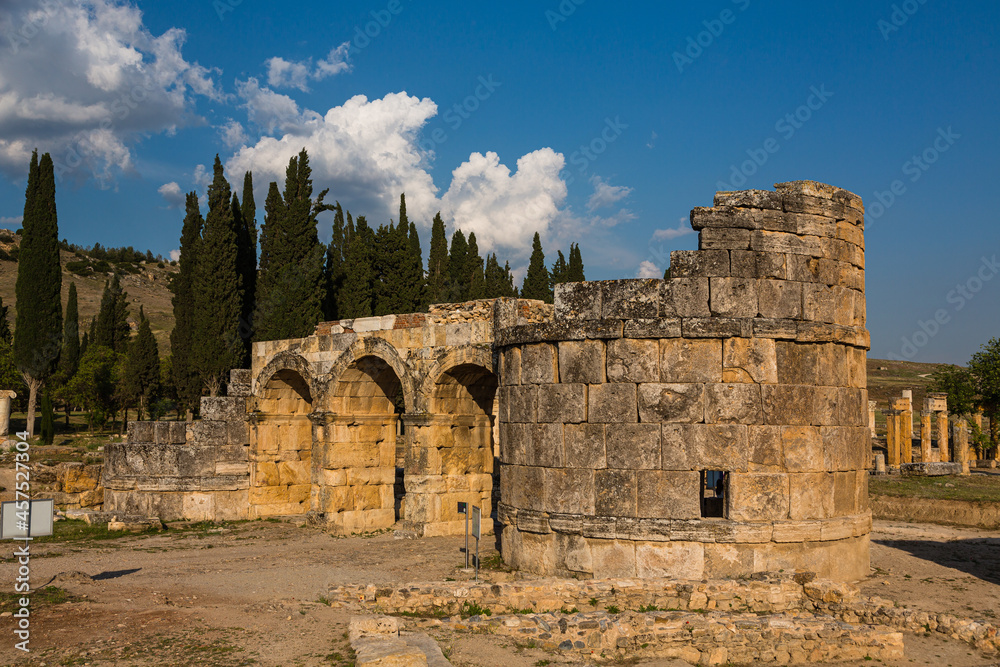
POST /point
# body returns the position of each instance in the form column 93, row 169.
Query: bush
column 102, row 267
column 80, row 268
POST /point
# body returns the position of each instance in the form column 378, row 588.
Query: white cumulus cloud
column 171, row 192
column 283, row 73
column 648, row 270
column 605, row 194
column 85, row 81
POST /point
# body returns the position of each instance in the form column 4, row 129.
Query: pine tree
column 356, row 297
column 112, row 329
column 574, row 273
column 474, row 271
column 391, row 247
column 437, row 264
column 291, row 287
column 536, row 280
column 38, row 328
column 457, row 287
column 5, row 333
column 84, row 343
column 218, row 291
column 185, row 374
column 142, row 368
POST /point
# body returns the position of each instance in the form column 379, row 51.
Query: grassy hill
column 148, row 288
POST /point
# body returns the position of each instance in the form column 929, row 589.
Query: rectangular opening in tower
column 714, row 487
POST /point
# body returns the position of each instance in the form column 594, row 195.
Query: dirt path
column 249, row 593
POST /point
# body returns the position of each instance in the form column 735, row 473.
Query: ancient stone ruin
column 709, row 425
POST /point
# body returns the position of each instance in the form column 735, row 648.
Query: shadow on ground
column 979, row 557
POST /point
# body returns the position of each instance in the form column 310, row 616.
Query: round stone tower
column 709, row 425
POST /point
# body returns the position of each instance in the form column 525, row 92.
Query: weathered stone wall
column 185, row 470
column 750, row 360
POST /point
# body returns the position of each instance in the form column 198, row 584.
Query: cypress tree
column 335, row 253
column 437, row 263
column 457, row 287
column 474, row 271
column 536, row 280
column 415, row 271
column 559, row 270
column 356, row 297
column 48, row 420
column 291, row 288
column 112, row 329
column 246, row 258
column 38, row 327
column 574, row 273
column 185, row 374
column 69, row 359
column 218, row 291
column 387, row 260
column 142, row 368
column 5, row 334
column 498, row 280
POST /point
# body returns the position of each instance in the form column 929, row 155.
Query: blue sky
column 592, row 122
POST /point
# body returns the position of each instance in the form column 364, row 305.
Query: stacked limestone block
column 749, row 360
column 196, row 471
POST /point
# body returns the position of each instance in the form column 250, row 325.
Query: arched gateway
column 708, row 425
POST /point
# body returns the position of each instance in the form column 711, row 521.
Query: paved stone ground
column 249, row 593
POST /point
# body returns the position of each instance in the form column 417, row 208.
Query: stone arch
column 367, row 390
column 281, row 440
column 382, row 350
column 285, row 361
column 452, row 455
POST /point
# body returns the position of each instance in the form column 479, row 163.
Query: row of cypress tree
column 225, row 296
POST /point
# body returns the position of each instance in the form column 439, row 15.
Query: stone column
column 904, row 432
column 892, row 436
column 962, row 445
column 871, row 416
column 925, row 436
column 942, row 429
column 6, row 396
column 908, row 417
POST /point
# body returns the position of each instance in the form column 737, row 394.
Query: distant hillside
column 147, row 287
column 887, row 379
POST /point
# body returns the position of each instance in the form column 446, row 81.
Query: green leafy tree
column 38, row 327
column 985, row 368
column 69, row 359
column 185, row 374
column 218, row 290
column 499, row 281
column 437, row 264
column 93, row 386
column 291, row 289
column 960, row 386
column 536, row 280
column 10, row 377
column 414, row 272
column 112, row 328
column 392, row 246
